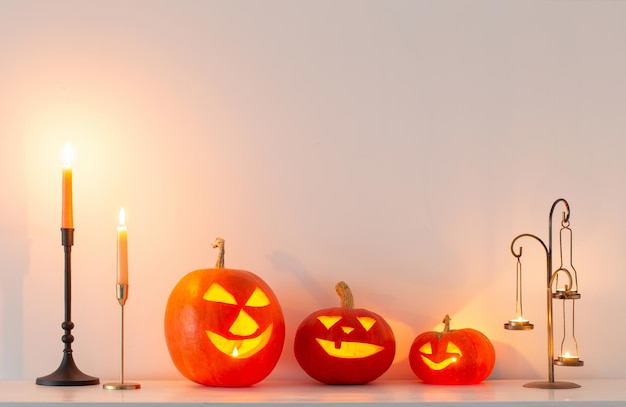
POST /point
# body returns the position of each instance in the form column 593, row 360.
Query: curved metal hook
column 565, row 214
column 520, row 248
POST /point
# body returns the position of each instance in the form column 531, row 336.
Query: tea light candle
column 569, row 358
column 518, row 320
column 122, row 250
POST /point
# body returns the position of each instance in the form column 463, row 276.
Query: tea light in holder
column 519, row 323
column 121, row 290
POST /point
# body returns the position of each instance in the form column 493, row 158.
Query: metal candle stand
column 122, row 296
column 568, row 293
column 68, row 373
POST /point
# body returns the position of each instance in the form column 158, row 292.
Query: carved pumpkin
column 344, row 345
column 463, row 356
column 224, row 327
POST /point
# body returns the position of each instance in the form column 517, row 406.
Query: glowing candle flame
column 235, row 352
column 67, row 155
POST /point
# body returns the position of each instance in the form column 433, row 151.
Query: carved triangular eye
column 452, row 348
column 258, row 299
column 426, row 349
column 367, row 322
column 217, row 293
column 329, row 321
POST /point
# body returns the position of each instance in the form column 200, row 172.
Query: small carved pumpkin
column 344, row 345
column 463, row 356
column 224, row 327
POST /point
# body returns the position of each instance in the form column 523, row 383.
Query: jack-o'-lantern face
column 462, row 356
column 347, row 348
column 344, row 345
column 244, row 337
column 224, row 327
column 439, row 359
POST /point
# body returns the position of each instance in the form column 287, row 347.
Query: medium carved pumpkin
column 344, row 345
column 463, row 356
column 224, row 327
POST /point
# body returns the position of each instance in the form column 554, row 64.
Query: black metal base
column 552, row 385
column 67, row 374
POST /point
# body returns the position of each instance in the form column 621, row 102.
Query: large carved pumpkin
column 224, row 327
column 344, row 345
column 463, row 356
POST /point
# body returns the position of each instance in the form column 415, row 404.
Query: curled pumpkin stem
column 446, row 321
column 345, row 294
column 219, row 243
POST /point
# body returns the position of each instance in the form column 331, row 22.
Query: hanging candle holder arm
column 565, row 220
column 523, row 325
column 519, row 323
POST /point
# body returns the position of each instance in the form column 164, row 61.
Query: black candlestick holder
column 68, row 373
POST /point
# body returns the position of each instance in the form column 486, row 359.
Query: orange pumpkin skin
column 344, row 345
column 192, row 320
column 463, row 356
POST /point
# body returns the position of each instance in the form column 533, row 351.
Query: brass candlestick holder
column 122, row 296
column 568, row 293
column 67, row 373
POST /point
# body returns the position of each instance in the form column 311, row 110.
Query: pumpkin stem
column 219, row 243
column 345, row 294
column 446, row 321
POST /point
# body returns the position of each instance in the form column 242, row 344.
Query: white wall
column 397, row 145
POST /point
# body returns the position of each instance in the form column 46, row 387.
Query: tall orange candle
column 67, row 212
column 122, row 250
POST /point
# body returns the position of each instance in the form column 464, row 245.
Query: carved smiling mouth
column 241, row 348
column 438, row 365
column 349, row 350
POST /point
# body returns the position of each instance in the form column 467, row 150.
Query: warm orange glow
column 329, row 320
column 569, row 358
column 240, row 348
column 347, row 329
column 366, row 322
column 122, row 217
column 258, row 299
column 349, row 350
column 244, row 325
column 67, row 155
column 217, row 293
column 452, row 348
column 427, row 349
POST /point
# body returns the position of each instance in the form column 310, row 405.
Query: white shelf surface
column 380, row 393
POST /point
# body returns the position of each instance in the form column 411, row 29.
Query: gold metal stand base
column 121, row 386
column 552, row 385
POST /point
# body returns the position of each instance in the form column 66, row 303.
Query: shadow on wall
column 512, row 364
column 14, row 261
column 284, row 263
